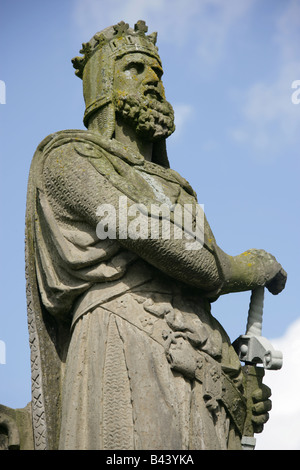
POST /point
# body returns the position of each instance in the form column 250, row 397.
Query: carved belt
column 217, row 386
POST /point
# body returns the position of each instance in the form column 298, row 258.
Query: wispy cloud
column 269, row 120
column 204, row 25
column 183, row 113
column 214, row 25
column 288, row 31
column 94, row 15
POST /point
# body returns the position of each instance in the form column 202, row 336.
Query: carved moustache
column 154, row 92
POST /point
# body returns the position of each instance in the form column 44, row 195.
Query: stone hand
column 261, row 405
column 275, row 276
column 277, row 284
column 255, row 268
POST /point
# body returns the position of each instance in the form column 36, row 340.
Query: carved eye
column 135, row 68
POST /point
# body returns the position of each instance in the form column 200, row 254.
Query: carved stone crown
column 117, row 40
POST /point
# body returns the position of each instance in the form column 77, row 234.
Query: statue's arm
column 82, row 189
column 251, row 269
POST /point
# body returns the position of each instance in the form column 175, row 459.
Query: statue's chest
column 164, row 190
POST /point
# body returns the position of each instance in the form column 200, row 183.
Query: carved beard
column 151, row 118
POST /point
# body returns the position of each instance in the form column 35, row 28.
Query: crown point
column 86, row 48
column 152, row 37
column 141, row 27
column 121, row 28
column 100, row 39
column 78, row 64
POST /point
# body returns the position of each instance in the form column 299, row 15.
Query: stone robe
column 147, row 367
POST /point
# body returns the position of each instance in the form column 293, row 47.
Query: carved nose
column 152, row 76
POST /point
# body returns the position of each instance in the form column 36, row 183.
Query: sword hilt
column 252, row 348
column 255, row 314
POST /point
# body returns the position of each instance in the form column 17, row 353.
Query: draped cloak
column 125, row 352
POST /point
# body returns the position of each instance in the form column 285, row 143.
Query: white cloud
column 269, row 120
column 288, row 31
column 203, row 25
column 183, row 112
column 214, row 25
column 282, row 430
column 94, row 15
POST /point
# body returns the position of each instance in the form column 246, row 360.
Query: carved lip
column 153, row 92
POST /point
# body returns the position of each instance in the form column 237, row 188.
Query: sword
column 252, row 348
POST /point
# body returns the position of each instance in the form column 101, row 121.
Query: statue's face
column 139, row 74
column 139, row 96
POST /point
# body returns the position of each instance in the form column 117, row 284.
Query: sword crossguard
column 252, row 348
column 258, row 350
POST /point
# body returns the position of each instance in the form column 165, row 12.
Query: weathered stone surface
column 16, row 428
column 125, row 351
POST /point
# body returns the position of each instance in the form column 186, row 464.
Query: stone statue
column 125, row 351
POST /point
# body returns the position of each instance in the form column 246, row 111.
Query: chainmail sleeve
column 75, row 190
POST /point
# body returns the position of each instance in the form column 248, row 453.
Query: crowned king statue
column 125, row 351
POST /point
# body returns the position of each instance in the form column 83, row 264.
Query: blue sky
column 228, row 71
